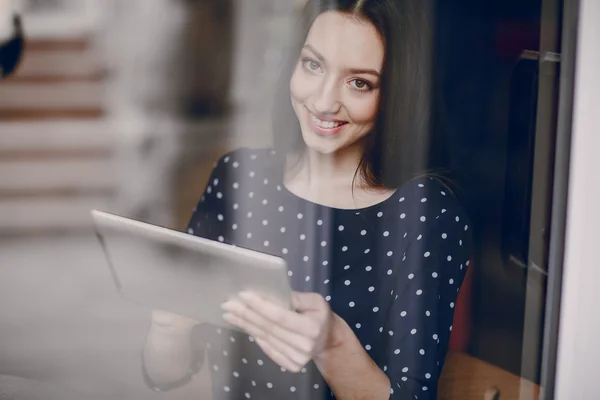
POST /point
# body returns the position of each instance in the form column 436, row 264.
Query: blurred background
column 124, row 105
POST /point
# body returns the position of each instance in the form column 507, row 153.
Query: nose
column 327, row 99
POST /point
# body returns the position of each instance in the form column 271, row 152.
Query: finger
column 281, row 359
column 285, row 353
column 264, row 327
column 303, row 302
column 279, row 316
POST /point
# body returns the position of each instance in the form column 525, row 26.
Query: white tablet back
column 184, row 274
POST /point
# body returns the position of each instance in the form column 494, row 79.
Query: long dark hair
column 396, row 151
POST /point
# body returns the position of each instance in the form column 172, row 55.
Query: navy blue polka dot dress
column 392, row 271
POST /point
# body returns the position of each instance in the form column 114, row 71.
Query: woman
column 376, row 255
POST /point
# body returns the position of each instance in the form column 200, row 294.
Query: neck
column 319, row 171
column 329, row 179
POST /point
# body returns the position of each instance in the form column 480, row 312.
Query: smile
column 326, row 124
column 325, row 128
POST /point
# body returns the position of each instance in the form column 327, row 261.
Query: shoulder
column 242, row 159
column 232, row 172
column 428, row 196
column 426, row 203
column 436, row 226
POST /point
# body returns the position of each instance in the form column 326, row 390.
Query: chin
column 322, row 145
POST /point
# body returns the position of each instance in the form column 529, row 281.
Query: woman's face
column 335, row 87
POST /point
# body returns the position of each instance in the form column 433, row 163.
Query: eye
column 311, row 65
column 360, row 84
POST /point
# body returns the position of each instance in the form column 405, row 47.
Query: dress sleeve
column 419, row 317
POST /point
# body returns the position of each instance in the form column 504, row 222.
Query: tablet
column 184, row 274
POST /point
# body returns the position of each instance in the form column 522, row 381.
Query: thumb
column 303, row 302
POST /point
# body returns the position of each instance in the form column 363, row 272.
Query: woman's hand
column 167, row 354
column 289, row 338
column 169, row 320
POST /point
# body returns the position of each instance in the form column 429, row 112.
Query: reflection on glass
column 388, row 118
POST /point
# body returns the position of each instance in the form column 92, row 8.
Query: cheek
column 363, row 109
column 303, row 86
column 299, row 87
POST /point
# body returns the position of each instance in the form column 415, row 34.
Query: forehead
column 346, row 42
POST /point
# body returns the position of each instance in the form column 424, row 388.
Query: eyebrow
column 351, row 70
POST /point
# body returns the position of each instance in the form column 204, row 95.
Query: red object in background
column 461, row 327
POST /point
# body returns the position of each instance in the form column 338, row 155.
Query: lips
column 323, row 126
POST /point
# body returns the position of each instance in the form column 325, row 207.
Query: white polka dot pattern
column 391, row 271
